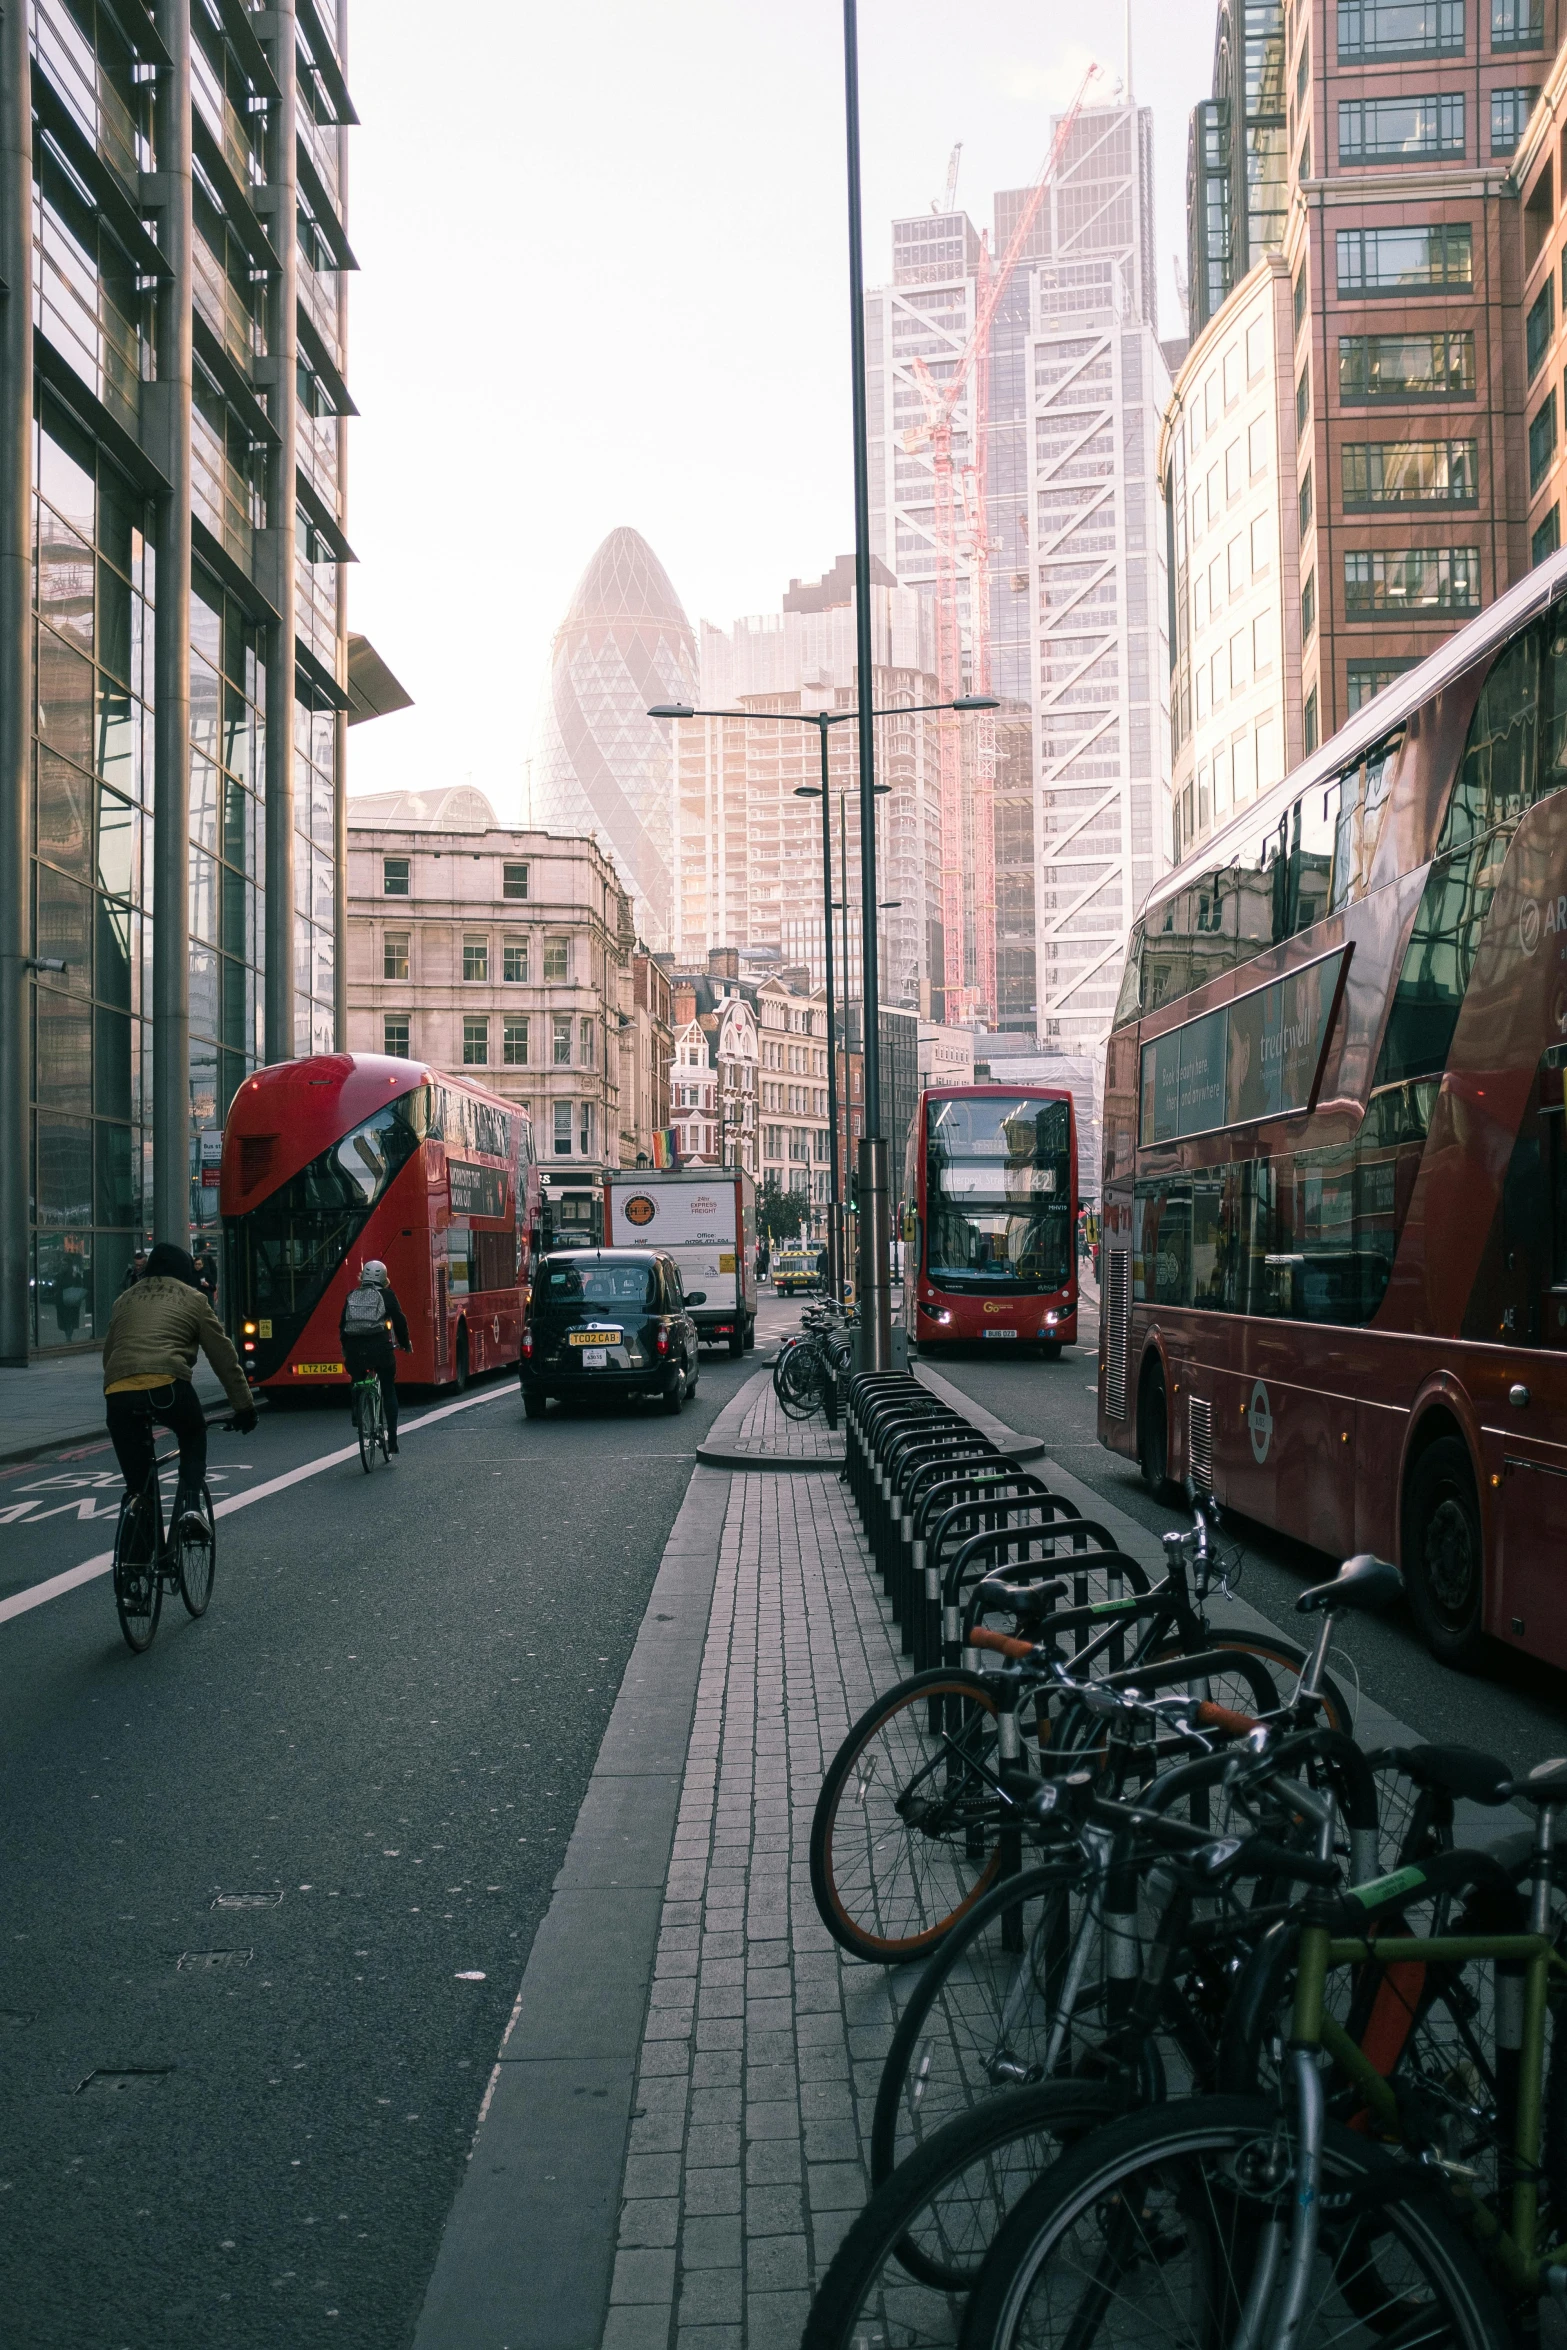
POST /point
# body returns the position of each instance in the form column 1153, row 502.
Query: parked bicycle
column 812, row 1366
column 150, row 1559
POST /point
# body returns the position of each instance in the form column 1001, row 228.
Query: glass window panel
column 65, row 475
column 114, row 623
column 65, row 914
column 115, row 944
column 65, row 580
column 203, row 993
column 203, row 1082
column 111, row 1065
column 203, row 803
column 206, row 623
column 322, row 895
column 64, row 1281
column 64, row 813
column 118, row 735
column 237, row 830
column 203, row 896
column 65, row 698
column 236, row 733
column 236, row 908
column 204, row 689
column 232, row 977
column 64, row 1053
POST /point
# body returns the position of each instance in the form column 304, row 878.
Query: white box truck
column 706, row 1218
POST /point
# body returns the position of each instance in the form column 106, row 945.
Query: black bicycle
column 149, row 1559
column 370, row 1420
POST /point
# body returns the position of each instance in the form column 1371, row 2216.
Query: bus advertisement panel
column 1334, row 1260
column 347, row 1156
column 990, row 1190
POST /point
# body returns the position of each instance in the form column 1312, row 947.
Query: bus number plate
column 1001, row 1334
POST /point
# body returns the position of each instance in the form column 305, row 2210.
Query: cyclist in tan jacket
column 156, row 1330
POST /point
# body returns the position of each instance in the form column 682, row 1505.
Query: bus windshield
column 998, row 1195
column 290, row 1247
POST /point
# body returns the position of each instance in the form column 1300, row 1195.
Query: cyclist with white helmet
column 371, row 1320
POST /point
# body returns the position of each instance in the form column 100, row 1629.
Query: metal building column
column 279, row 200
column 166, row 422
column 340, row 884
column 16, row 674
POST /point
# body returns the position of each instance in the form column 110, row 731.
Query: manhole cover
column 125, row 2078
column 198, row 1961
column 247, row 1901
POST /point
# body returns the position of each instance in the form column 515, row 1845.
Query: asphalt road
column 269, row 1889
column 1512, row 1707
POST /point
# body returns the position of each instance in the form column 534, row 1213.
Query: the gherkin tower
column 604, row 766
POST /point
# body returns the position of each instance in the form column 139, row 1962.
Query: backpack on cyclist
column 364, row 1316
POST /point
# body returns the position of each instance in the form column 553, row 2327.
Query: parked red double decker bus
column 990, row 1186
column 346, row 1156
column 1335, row 1174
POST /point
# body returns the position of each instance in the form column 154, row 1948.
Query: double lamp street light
column 822, row 720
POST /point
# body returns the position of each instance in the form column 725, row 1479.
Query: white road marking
column 56, row 1586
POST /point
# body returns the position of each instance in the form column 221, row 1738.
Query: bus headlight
column 1051, row 1318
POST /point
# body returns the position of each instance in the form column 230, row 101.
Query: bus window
column 1439, row 959
column 1129, row 1002
column 1363, row 798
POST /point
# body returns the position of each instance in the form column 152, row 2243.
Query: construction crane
column 949, row 201
column 941, row 397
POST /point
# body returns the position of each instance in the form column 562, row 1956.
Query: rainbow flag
column 664, row 1152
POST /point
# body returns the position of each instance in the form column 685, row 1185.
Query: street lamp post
column 822, row 720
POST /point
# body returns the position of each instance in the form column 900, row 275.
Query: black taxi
column 611, row 1321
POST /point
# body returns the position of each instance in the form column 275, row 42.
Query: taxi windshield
column 600, row 1285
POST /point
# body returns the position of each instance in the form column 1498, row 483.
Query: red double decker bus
column 1335, row 1173
column 351, row 1155
column 990, row 1188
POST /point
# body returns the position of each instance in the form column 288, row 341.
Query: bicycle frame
column 1514, row 2249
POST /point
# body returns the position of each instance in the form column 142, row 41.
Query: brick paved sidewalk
column 763, row 2044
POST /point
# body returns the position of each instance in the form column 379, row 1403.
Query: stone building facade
column 506, row 955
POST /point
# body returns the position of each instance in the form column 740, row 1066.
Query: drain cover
column 247, row 1901
column 193, row 1962
column 128, row 2077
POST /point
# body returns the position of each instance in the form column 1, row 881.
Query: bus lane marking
column 56, row 1586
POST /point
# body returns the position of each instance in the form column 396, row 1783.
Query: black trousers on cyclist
column 131, row 1415
column 361, row 1355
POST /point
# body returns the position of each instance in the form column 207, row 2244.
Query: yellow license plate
column 595, row 1338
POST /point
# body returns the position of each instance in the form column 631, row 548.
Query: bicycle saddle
column 1024, row 1599
column 1362, row 1582
column 1546, row 1783
column 1461, row 1771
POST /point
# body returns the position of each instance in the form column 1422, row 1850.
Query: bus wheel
column 1050, row 1350
column 1153, row 1431
column 1444, row 1553
column 460, row 1376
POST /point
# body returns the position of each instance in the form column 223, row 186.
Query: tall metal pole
column 875, row 1350
column 835, row 1192
column 16, row 673
column 166, row 409
column 280, row 198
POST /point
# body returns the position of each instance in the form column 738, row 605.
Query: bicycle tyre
column 198, row 1560
column 1284, row 1661
column 1155, row 2173
column 934, row 2067
column 953, row 2191
column 870, row 1891
column 138, row 1583
column 364, row 1427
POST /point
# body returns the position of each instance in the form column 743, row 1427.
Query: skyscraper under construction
column 1066, row 541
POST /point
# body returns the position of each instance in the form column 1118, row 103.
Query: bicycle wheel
column 138, row 1584
column 939, row 2212
column 1281, row 1661
column 196, row 1549
column 903, row 1841
column 980, row 2016
column 365, row 1415
column 1151, row 2233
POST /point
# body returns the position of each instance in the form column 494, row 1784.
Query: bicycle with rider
column 371, row 1321
column 155, row 1332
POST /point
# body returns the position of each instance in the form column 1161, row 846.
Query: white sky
column 603, row 280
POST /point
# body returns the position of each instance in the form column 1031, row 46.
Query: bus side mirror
column 696, row 1297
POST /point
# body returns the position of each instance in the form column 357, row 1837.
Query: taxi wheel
column 675, row 1396
column 534, row 1407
